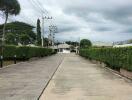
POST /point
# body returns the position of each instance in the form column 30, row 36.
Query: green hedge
column 116, row 58
column 25, row 52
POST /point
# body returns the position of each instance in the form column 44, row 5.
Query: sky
column 97, row 20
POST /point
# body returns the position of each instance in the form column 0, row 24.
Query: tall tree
column 38, row 32
column 8, row 7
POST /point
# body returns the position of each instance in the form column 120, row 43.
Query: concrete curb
column 114, row 72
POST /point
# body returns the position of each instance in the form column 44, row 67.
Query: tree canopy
column 8, row 7
column 17, row 26
column 85, row 43
column 11, row 39
column 18, row 30
column 11, row 7
column 72, row 43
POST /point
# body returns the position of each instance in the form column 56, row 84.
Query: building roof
column 64, row 46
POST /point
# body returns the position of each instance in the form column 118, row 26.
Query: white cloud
column 98, row 20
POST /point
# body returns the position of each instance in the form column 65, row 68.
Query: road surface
column 79, row 79
column 70, row 77
column 26, row 81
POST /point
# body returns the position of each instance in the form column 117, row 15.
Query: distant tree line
column 72, row 43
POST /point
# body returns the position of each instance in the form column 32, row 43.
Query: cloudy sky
column 97, row 20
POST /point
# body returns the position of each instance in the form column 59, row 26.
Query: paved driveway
column 79, row 79
column 26, row 81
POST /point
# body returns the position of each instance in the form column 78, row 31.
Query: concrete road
column 26, row 81
column 79, row 79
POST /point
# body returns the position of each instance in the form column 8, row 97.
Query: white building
column 62, row 48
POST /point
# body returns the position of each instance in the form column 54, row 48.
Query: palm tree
column 8, row 7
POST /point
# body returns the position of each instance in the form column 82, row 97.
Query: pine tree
column 38, row 33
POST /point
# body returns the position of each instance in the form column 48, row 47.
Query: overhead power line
column 37, row 6
column 40, row 6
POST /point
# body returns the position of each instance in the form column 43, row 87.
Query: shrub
column 116, row 58
column 25, row 52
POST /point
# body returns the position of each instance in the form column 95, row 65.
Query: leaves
column 38, row 32
column 116, row 58
column 25, row 51
column 11, row 7
column 85, row 43
column 18, row 29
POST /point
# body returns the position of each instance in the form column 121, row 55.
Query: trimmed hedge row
column 116, row 58
column 25, row 52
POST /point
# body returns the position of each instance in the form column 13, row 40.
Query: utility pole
column 53, row 29
column 43, row 35
column 50, row 36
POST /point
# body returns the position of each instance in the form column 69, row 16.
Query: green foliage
column 24, row 39
column 46, row 42
column 10, row 39
column 25, row 52
column 19, row 29
column 72, row 43
column 116, row 58
column 130, row 41
column 8, row 7
column 85, row 43
column 38, row 32
column 11, row 7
